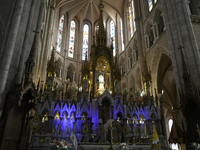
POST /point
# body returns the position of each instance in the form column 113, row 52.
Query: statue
column 63, row 126
column 85, row 85
column 56, row 124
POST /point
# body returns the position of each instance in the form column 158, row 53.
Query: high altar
column 98, row 104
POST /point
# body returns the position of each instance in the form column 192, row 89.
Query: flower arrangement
column 62, row 144
column 123, row 146
column 195, row 145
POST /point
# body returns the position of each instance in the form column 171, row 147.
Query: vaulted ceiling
column 88, row 9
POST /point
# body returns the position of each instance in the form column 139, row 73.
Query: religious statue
column 71, row 121
column 85, row 85
column 63, row 126
column 56, row 124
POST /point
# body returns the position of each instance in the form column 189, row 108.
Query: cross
column 180, row 47
column 36, row 32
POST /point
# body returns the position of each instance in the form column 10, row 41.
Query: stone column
column 46, row 46
column 156, row 28
column 24, row 49
column 154, row 32
column 8, row 53
column 188, row 6
column 73, row 74
column 147, row 41
column 181, row 32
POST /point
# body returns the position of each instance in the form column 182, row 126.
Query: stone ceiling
column 88, row 9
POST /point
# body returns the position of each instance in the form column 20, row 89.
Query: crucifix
column 36, row 32
column 181, row 47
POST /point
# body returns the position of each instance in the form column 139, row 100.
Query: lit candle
column 197, row 126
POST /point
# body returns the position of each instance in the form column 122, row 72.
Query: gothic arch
column 158, row 51
column 149, row 33
column 158, row 18
column 166, row 81
column 158, row 10
column 107, row 95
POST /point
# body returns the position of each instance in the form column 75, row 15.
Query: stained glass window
column 60, row 33
column 130, row 21
column 112, row 35
column 85, row 41
column 122, row 37
column 71, row 39
column 150, row 3
column 133, row 12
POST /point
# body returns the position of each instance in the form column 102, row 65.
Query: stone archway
column 106, row 103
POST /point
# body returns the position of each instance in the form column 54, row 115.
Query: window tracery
column 85, row 41
column 150, row 4
column 112, row 35
column 122, row 36
column 60, row 33
column 71, row 39
column 131, row 19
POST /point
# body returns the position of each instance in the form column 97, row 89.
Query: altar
column 105, row 146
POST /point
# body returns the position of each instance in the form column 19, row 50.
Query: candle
column 111, row 123
column 197, row 126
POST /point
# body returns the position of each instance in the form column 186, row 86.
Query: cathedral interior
column 108, row 70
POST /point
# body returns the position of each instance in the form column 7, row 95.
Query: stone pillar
column 47, row 40
column 181, row 32
column 5, row 66
column 154, row 32
column 147, row 41
column 73, row 74
column 50, row 123
column 157, row 30
column 188, row 6
column 24, row 49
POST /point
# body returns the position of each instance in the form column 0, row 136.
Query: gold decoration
column 41, row 140
column 54, row 140
column 103, row 64
column 125, row 129
column 155, row 146
column 85, row 129
column 35, row 123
